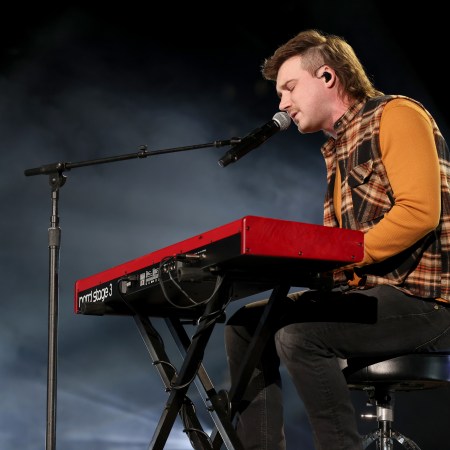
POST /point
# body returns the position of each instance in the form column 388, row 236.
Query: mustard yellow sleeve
column 409, row 154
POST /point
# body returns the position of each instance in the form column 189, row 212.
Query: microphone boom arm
column 60, row 167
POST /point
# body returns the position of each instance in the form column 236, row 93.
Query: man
column 388, row 175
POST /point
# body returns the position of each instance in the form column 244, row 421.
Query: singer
column 388, row 175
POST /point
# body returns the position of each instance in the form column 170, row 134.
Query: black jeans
column 311, row 337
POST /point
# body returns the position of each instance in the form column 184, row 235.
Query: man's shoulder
column 394, row 100
column 395, row 103
column 404, row 105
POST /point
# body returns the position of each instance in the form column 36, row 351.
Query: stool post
column 384, row 401
column 385, row 417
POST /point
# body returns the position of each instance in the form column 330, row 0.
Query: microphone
column 280, row 121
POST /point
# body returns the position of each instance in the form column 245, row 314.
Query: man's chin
column 303, row 130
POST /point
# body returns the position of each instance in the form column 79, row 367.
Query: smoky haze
column 78, row 85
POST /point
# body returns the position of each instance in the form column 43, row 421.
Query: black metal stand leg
column 155, row 346
column 216, row 403
column 190, row 367
column 407, row 443
column 262, row 334
column 385, row 441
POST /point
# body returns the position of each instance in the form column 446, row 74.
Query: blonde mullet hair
column 317, row 49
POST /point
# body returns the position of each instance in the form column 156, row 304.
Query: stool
column 381, row 378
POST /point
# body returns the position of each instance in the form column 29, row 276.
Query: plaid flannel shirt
column 423, row 269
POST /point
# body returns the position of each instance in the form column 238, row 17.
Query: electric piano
column 192, row 282
column 255, row 252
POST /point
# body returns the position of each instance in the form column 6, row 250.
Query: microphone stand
column 57, row 180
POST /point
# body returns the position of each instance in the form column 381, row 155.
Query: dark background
column 85, row 82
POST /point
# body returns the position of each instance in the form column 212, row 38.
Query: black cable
column 194, row 303
column 188, row 428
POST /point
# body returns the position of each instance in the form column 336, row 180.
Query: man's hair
column 317, row 49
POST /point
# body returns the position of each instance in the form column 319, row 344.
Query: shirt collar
column 341, row 124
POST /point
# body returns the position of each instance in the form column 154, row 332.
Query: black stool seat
column 380, row 378
column 401, row 373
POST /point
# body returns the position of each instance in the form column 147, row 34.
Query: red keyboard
column 256, row 253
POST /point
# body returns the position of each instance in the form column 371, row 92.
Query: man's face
column 302, row 95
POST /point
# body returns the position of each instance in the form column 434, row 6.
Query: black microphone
column 280, row 121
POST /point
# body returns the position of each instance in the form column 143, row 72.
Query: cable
column 184, row 413
column 193, row 302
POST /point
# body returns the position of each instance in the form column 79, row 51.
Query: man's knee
column 295, row 339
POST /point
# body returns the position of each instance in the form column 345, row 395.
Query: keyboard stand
column 177, row 384
column 220, row 405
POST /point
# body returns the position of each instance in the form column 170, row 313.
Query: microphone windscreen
column 283, row 120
